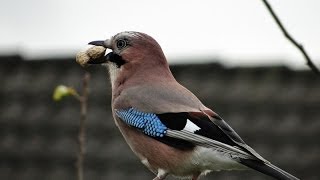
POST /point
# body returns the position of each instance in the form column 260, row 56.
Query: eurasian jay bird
column 165, row 124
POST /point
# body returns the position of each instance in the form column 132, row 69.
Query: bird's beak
column 103, row 59
column 106, row 43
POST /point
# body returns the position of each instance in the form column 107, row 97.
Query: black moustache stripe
column 115, row 58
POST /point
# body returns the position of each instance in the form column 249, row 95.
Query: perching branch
column 83, row 117
column 289, row 37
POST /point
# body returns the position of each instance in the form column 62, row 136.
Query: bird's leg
column 196, row 176
column 162, row 174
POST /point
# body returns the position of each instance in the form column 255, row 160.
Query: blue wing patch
column 149, row 123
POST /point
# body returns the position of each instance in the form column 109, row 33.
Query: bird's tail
column 268, row 169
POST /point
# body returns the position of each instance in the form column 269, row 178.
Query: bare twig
column 82, row 134
column 293, row 41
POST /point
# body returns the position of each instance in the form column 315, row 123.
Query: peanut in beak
column 84, row 57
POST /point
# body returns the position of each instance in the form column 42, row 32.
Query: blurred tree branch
column 290, row 38
column 83, row 117
column 62, row 91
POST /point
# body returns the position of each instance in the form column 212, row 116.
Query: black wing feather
column 176, row 143
column 268, row 168
column 178, row 121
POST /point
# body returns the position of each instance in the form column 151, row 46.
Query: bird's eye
column 121, row 43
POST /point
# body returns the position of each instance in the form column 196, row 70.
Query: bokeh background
column 229, row 53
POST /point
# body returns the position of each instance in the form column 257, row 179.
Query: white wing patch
column 191, row 127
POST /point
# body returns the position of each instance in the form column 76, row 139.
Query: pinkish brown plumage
column 166, row 125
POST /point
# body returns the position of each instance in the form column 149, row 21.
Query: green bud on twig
column 62, row 91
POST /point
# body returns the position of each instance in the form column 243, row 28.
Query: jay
column 165, row 124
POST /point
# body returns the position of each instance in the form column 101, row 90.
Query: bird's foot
column 162, row 174
column 196, row 176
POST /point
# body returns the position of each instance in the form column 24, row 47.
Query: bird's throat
column 113, row 72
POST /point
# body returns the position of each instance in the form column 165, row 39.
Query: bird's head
column 131, row 48
column 135, row 56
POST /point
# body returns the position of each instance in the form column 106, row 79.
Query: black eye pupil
column 121, row 44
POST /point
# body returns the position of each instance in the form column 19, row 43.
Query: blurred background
column 229, row 53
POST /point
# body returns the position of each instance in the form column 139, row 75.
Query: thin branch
column 83, row 117
column 289, row 37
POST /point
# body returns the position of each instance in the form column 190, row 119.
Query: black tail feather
column 268, row 169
